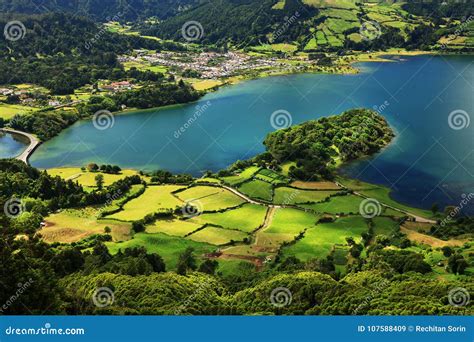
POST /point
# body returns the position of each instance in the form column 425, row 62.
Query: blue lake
column 428, row 162
column 11, row 145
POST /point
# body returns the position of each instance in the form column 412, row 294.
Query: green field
column 246, row 218
column 270, row 176
column 7, row 111
column 319, row 241
column 168, row 247
column 337, row 204
column 86, row 178
column 217, row 236
column 384, row 226
column 173, row 227
column 72, row 225
column 210, row 198
column 155, row 198
column 285, row 195
column 242, row 176
column 257, row 189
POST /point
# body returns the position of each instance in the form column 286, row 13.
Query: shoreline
column 30, row 148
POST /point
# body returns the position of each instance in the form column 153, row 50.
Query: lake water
column 428, row 162
column 11, row 145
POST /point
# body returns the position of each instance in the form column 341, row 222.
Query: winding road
column 34, row 143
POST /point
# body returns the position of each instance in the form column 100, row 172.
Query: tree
column 107, row 230
column 434, row 208
column 99, row 181
column 208, row 266
column 447, row 251
column 186, row 261
column 138, row 226
column 92, row 167
column 457, row 264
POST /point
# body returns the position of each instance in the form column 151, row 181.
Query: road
column 34, row 143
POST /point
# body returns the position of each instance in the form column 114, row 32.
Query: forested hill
column 315, row 144
column 123, row 10
column 323, row 24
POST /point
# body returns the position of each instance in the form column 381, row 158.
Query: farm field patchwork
column 242, row 176
column 86, row 178
column 384, row 226
column 173, row 227
column 319, row 241
column 337, row 204
column 168, row 247
column 210, row 198
column 155, row 198
column 285, row 195
column 217, row 236
column 72, row 225
column 246, row 218
column 257, row 189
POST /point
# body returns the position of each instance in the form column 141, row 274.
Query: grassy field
column 86, row 178
column 155, row 198
column 72, row 225
column 315, row 185
column 7, row 111
column 217, row 236
column 247, row 218
column 384, row 226
column 173, row 227
column 337, row 204
column 257, row 189
column 209, row 198
column 242, row 176
column 168, row 247
column 271, row 177
column 206, row 84
column 284, row 195
column 319, row 241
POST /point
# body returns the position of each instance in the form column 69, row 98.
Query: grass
column 337, row 204
column 285, row 195
column 72, row 225
column 154, row 198
column 291, row 221
column 271, row 176
column 208, row 180
column 315, row 185
column 319, row 241
column 247, row 218
column 168, row 247
column 234, row 267
column 340, row 14
column 206, row 84
column 173, row 227
column 217, row 236
column 210, row 198
column 257, row 189
column 7, row 111
column 86, row 178
column 384, row 226
column 242, row 176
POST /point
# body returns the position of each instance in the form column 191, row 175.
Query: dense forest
column 63, row 52
column 314, row 144
column 124, row 10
